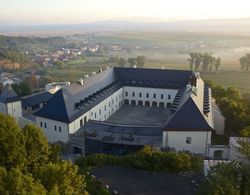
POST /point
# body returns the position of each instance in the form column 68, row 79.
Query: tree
column 217, row 63
column 45, row 80
column 245, row 62
column 192, row 60
column 15, row 182
column 245, row 132
column 140, row 61
column 132, row 61
column 36, row 147
column 121, row 62
column 22, row 89
column 32, row 81
column 207, row 62
column 198, row 61
column 64, row 176
column 12, row 151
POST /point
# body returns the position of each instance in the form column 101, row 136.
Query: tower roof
column 9, row 95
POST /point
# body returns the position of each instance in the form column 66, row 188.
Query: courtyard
column 140, row 115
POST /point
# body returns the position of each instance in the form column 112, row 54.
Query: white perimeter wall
column 48, row 127
column 100, row 112
column 13, row 109
column 177, row 139
column 133, row 93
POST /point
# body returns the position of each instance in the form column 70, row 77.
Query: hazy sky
column 79, row 11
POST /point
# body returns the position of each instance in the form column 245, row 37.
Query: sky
column 42, row 12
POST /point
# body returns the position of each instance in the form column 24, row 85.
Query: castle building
column 128, row 108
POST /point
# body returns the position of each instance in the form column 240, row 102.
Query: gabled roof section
column 188, row 117
column 61, row 106
column 56, row 110
column 9, row 95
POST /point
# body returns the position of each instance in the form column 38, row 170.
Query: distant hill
column 220, row 25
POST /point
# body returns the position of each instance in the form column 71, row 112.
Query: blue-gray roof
column 35, row 99
column 64, row 105
column 9, row 95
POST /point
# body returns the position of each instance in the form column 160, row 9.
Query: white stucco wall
column 101, row 111
column 50, row 132
column 219, row 122
column 177, row 140
column 133, row 93
column 3, row 108
column 224, row 150
column 13, row 109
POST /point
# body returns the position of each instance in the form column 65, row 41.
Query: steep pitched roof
column 57, row 108
column 188, row 117
column 9, row 95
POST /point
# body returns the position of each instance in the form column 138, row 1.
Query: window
column 92, row 113
column 188, row 140
column 100, row 111
column 116, row 98
column 95, row 114
column 109, row 104
column 81, row 122
column 162, row 96
column 105, row 108
column 112, row 102
column 45, row 125
column 133, row 94
column 154, row 95
column 126, row 93
column 55, row 127
column 60, row 129
column 147, row 95
column 41, row 124
column 85, row 119
column 139, row 94
column 169, row 97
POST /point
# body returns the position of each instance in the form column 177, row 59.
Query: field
column 170, row 50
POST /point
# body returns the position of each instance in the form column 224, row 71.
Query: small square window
column 147, row 95
column 162, row 96
column 45, row 125
column 41, row 124
column 126, row 94
column 140, row 94
column 169, row 97
column 154, row 95
column 55, row 127
column 133, row 94
column 60, row 129
column 188, row 140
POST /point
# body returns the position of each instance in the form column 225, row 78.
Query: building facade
column 84, row 109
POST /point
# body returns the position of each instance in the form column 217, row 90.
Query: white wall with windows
column 13, row 109
column 100, row 112
column 149, row 96
column 53, row 130
column 59, row 131
column 192, row 141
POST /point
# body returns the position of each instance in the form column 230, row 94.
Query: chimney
column 81, row 81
